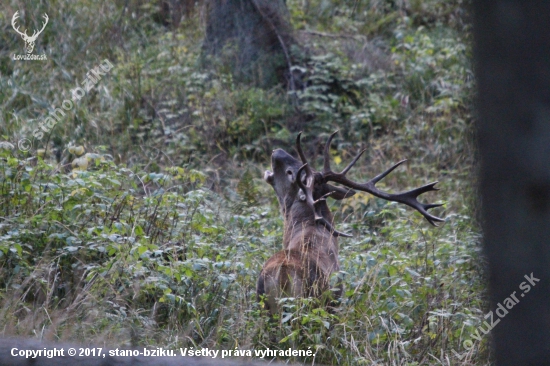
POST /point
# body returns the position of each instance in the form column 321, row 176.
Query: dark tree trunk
column 252, row 37
column 512, row 52
column 172, row 11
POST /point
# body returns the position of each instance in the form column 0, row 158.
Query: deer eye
column 290, row 175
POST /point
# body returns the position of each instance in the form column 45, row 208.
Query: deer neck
column 302, row 233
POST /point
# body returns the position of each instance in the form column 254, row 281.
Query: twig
column 331, row 35
column 65, row 227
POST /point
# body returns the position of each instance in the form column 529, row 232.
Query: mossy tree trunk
column 251, row 37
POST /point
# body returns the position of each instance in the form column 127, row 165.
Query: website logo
column 29, row 40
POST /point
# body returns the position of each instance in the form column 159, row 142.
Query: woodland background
column 142, row 219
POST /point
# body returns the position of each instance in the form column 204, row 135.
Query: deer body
column 310, row 242
column 304, row 266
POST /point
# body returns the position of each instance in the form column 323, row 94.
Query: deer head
column 29, row 40
column 296, row 185
column 310, row 248
column 295, row 181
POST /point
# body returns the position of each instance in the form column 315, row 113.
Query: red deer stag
column 310, row 246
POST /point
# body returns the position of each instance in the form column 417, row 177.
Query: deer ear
column 339, row 193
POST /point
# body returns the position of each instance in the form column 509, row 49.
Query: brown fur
column 292, row 273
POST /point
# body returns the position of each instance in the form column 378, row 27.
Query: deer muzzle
column 268, row 176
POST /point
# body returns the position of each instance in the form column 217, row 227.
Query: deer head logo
column 29, row 40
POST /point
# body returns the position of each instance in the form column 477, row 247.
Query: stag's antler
column 408, row 198
column 308, row 191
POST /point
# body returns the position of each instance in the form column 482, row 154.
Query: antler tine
column 299, row 149
column 346, row 169
column 308, row 190
column 409, row 198
column 331, row 228
column 326, row 154
column 382, row 175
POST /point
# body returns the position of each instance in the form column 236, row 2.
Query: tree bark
column 512, row 54
column 252, row 37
